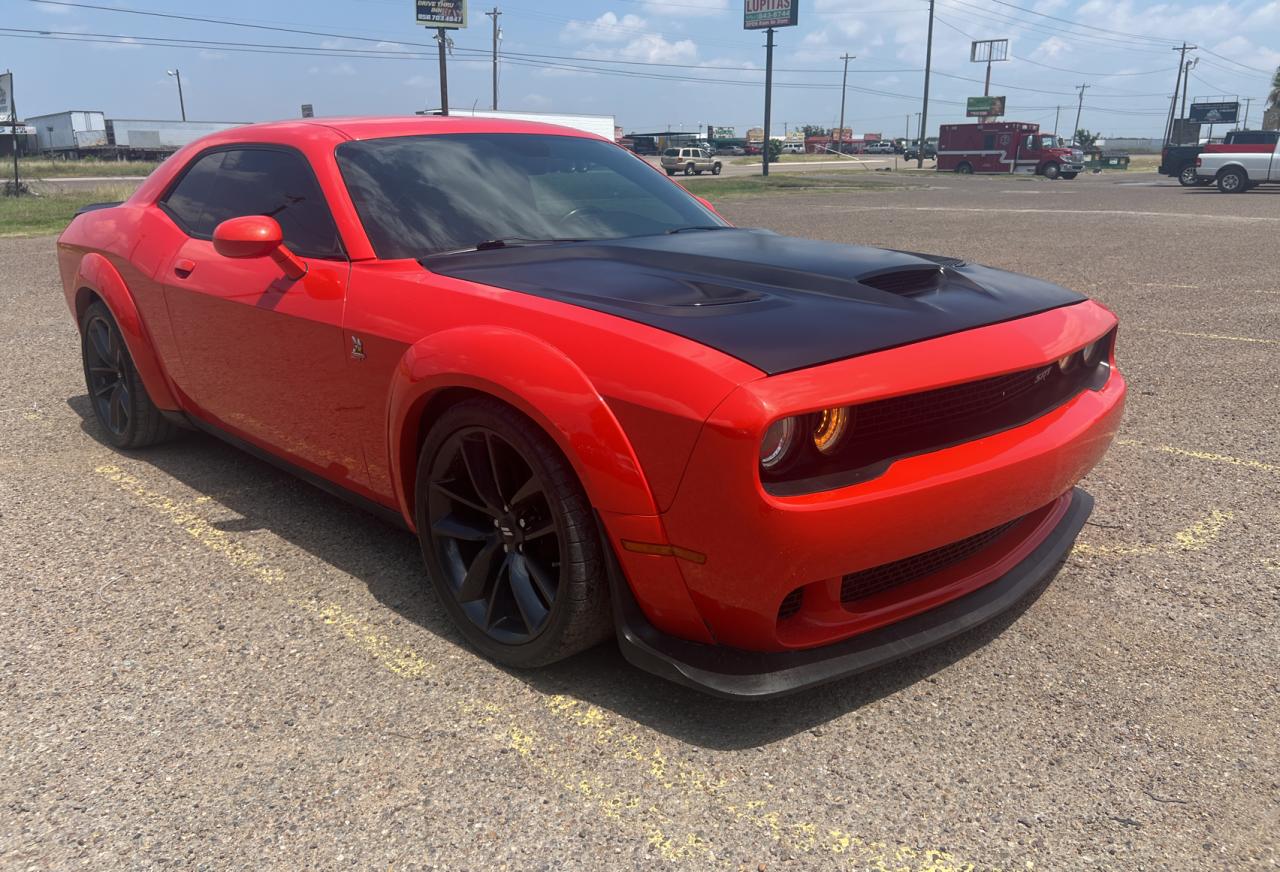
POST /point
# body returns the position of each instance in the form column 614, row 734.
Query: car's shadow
column 386, row 559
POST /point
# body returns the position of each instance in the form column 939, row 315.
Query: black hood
column 776, row 302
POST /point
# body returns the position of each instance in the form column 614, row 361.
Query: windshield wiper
column 700, row 227
column 509, row 241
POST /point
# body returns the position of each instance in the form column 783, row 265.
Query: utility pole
column 846, row 57
column 1057, row 110
column 1186, row 79
column 497, row 33
column 1248, row 101
column 928, row 64
column 1079, row 108
column 442, row 37
column 768, row 100
column 182, row 106
column 1177, row 83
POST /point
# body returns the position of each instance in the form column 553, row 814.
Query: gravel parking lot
column 208, row 664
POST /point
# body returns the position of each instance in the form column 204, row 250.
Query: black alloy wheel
column 509, row 539
column 119, row 399
column 106, row 375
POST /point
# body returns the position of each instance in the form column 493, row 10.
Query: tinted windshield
column 419, row 195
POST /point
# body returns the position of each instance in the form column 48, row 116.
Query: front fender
column 534, row 377
column 96, row 275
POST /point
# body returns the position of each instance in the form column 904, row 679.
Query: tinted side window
column 257, row 181
column 187, row 200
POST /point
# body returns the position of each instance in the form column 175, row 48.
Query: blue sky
column 660, row 45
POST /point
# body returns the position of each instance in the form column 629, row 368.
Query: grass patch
column 46, row 168
column 801, row 158
column 34, row 214
column 726, row 187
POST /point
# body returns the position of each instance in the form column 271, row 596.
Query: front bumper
column 754, row 675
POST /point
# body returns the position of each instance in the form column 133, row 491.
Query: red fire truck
column 1005, row 147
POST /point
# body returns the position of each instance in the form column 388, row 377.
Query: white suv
column 690, row 161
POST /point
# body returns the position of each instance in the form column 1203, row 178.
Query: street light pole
column 928, row 63
column 497, row 34
column 182, row 105
column 768, row 101
column 846, row 57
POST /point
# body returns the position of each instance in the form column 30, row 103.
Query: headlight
column 777, row 443
column 832, row 423
column 1095, row 352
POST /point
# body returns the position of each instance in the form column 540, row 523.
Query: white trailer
column 136, row 134
column 600, row 125
column 69, row 131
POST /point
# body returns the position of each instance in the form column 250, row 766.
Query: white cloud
column 1052, row 48
column 686, row 8
column 1240, row 49
column 656, row 49
column 535, row 101
column 208, row 55
column 607, row 28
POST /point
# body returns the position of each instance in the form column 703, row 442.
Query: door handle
column 183, row 267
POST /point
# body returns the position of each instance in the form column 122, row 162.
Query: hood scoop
column 905, row 282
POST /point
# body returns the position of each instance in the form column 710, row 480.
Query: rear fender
column 97, row 276
column 535, row 378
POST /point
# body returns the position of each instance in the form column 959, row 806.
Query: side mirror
column 257, row 236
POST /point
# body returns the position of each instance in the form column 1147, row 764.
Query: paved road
column 210, row 664
column 867, row 162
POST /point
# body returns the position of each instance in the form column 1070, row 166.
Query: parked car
column 1179, row 161
column 880, row 146
column 1237, row 171
column 690, row 161
column 793, row 148
column 760, row 462
column 912, row 152
column 732, row 150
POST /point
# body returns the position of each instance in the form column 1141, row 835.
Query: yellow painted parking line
column 659, row 776
column 1197, row 537
column 1222, row 336
column 1210, row 456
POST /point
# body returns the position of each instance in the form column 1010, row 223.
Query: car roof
column 379, row 127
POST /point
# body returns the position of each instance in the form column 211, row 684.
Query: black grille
column 791, row 604
column 859, row 585
column 906, row 281
column 883, row 431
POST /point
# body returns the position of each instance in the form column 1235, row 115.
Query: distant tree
column 1085, row 139
column 1273, row 99
column 775, row 149
column 815, row 130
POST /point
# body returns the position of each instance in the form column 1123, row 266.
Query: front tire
column 124, row 410
column 1051, row 171
column 715, row 168
column 509, row 539
column 1069, row 176
column 1233, row 181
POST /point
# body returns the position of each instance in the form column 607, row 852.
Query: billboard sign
column 6, row 98
column 984, row 107
column 985, row 51
column 724, row 133
column 1215, row 113
column 441, row 13
column 760, row 14
column 308, row 111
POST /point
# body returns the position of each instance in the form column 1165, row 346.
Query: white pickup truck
column 1237, row 171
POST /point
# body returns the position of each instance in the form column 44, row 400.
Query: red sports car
column 761, row 462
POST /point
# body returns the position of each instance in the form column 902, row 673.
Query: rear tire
column 1187, row 176
column 965, row 168
column 688, row 169
column 1233, row 181
column 120, row 402
column 510, row 541
column 671, row 172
